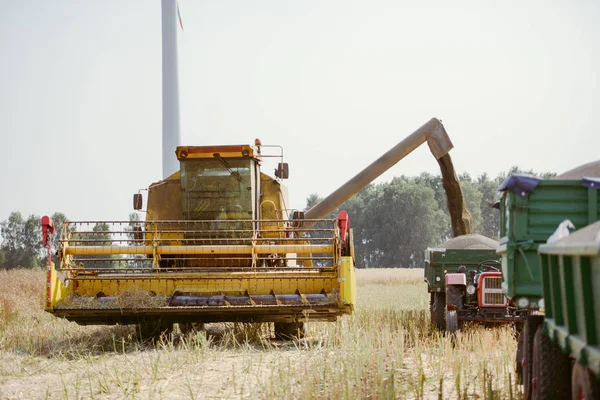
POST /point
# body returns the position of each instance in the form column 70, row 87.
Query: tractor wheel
column 153, row 330
column 551, row 368
column 528, row 332
column 191, row 327
column 583, row 384
column 289, row 330
column 451, row 321
column 438, row 312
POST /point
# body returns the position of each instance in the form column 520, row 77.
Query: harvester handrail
column 170, row 244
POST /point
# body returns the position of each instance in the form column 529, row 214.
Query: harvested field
column 387, row 349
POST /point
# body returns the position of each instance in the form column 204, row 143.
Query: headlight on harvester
column 470, row 289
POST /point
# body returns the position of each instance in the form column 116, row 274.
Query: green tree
column 490, row 217
column 312, row 200
column 21, row 241
column 59, row 220
column 405, row 220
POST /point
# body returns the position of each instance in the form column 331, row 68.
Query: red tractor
column 476, row 295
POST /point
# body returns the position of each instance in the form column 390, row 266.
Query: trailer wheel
column 519, row 359
column 551, row 367
column 289, row 330
column 529, row 327
column 451, row 321
column 438, row 314
column 583, row 384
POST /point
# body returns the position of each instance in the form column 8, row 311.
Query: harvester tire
column 438, row 310
column 191, row 327
column 289, row 330
column 451, row 321
column 529, row 328
column 583, row 384
column 153, row 330
column 551, row 369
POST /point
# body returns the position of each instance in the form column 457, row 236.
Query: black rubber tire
column 519, row 359
column 289, row 330
column 583, row 384
column 191, row 327
column 431, row 301
column 529, row 328
column 451, row 321
column 152, row 330
column 551, row 377
column 438, row 314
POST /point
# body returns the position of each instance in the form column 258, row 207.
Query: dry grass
column 386, row 349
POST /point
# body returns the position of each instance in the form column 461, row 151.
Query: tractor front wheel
column 451, row 321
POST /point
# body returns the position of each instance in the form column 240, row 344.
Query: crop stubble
column 386, row 349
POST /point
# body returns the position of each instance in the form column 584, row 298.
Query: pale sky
column 336, row 82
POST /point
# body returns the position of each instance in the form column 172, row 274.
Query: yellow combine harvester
column 218, row 244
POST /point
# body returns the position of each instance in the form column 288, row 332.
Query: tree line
column 393, row 222
column 21, row 239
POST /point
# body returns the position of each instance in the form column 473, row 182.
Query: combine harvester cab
column 217, row 245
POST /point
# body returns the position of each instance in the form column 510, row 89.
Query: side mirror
column 282, row 171
column 137, row 201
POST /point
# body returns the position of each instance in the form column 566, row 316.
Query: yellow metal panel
column 56, row 290
column 347, row 283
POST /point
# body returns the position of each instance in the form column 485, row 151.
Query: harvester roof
column 223, row 151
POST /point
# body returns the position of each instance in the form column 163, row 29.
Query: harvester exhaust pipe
column 439, row 143
column 170, row 88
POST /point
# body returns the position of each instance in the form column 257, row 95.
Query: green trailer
column 566, row 351
column 530, row 211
